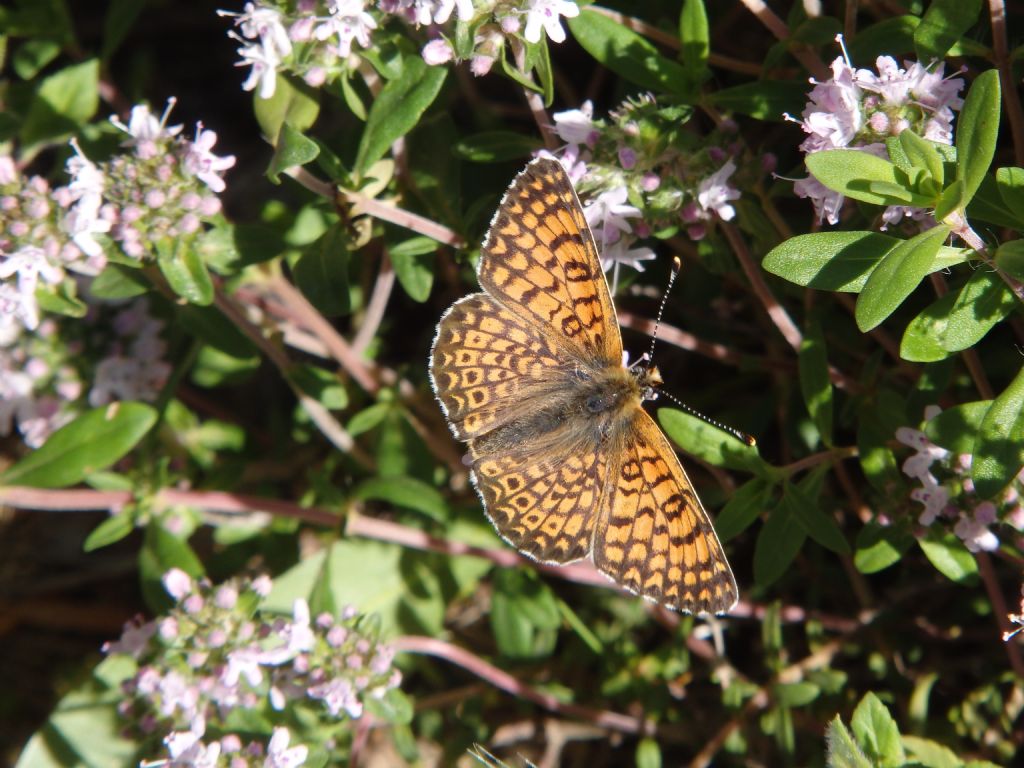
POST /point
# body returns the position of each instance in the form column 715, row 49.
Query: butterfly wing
column 654, row 537
column 540, row 261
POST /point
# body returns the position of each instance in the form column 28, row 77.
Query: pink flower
column 202, row 163
column 177, row 583
column 576, row 126
column 279, row 755
column 545, row 14
column 714, row 193
column 438, row 51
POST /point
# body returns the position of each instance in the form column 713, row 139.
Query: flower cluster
column 953, row 499
column 213, row 656
column 318, row 40
column 638, row 164
column 858, row 109
column 118, row 347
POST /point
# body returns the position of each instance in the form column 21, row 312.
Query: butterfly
column 566, row 461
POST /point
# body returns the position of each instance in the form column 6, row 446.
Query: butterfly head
column 649, row 379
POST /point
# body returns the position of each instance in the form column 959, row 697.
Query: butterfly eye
column 598, row 403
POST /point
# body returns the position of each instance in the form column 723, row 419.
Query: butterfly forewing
column 539, row 259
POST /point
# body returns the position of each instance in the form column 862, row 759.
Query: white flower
column 606, row 214
column 348, row 21
column 187, row 749
column 576, row 126
column 29, row 264
column 243, row 662
column 278, row 753
column 545, row 14
column 714, row 194
column 438, row 51
column 338, row 695
column 202, row 163
column 619, row 252
column 973, row 528
column 463, row 10
column 146, row 130
column 934, row 497
column 926, row 453
column 17, row 403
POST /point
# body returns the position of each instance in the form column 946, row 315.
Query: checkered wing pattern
column 654, row 537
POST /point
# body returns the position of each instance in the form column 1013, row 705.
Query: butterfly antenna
column 743, row 437
column 676, row 266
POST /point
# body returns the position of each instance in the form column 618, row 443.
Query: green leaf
column 999, row 445
column 60, row 299
column 694, row 38
column 981, row 303
column 950, row 557
column 815, row 382
column 648, row 753
column 896, row 277
column 922, row 340
column 950, row 201
column 795, row 694
column 942, row 25
column 293, row 103
column 524, row 615
column 209, row 326
column 117, row 23
column 778, row 543
column 989, row 205
column 393, row 707
column 709, row 443
column 627, row 54
column 119, row 282
column 33, row 55
column 93, row 441
column 765, row 100
column 889, row 37
column 815, row 522
column 496, row 146
column 744, row 507
column 879, row 546
column 405, row 492
column 841, row 261
column 293, row 149
column 65, row 101
column 322, row 384
column 843, row 751
column 321, row 273
column 955, row 428
column 397, row 108
column 864, row 177
column 110, row 531
column 931, row 754
column 414, row 270
column 1010, row 259
column 1010, row 182
column 877, row 733
column 922, row 154
column 876, row 424
column 976, row 132
column 185, row 272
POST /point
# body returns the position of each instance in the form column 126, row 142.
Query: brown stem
column 995, row 595
column 1011, row 99
column 376, row 305
column 778, row 27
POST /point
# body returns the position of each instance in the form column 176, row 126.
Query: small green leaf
column 843, row 751
column 293, row 149
column 93, row 441
column 778, row 543
column 110, row 531
column 393, row 707
column 352, row 99
column 981, row 303
column 709, row 443
column 694, row 37
column 989, row 205
column 877, row 420
column 1010, row 259
column 896, row 277
column 209, row 326
column 976, row 132
column 815, row 382
column 120, row 17
column 795, row 694
column 942, row 25
column 33, row 55
column 60, row 299
column 1010, row 182
column 765, row 99
column 922, row 340
column 950, row 557
column 626, row 53
column 841, row 261
column 931, row 754
column 922, row 154
column 119, row 282
column 744, row 507
column 951, row 199
column 415, row 271
column 877, row 733
column 955, row 428
column 648, row 753
column 324, row 385
column 816, row 522
column 185, row 272
column 293, row 103
column 863, row 177
column 321, row 272
column 64, row 102
column 496, row 146
column 889, row 37
column 397, row 108
column 999, row 445
column 879, row 546
column 405, row 492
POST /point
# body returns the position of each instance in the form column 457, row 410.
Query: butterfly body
column 565, row 459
